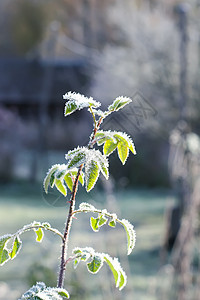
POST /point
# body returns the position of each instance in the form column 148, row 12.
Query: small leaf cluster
column 95, row 261
column 62, row 176
column 41, row 292
column 7, row 253
column 111, row 219
column 115, row 140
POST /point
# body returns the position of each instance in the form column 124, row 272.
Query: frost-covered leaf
column 86, row 207
column 69, row 181
column 123, row 152
column 112, row 223
column 62, row 292
column 70, row 107
column 77, row 160
column 48, row 177
column 61, row 187
column 4, row 255
column 102, row 220
column 109, row 147
column 113, row 140
column 95, row 265
column 96, row 262
column 39, row 234
column 94, row 224
column 118, row 273
column 91, row 174
column 131, row 236
column 82, row 254
column 15, row 247
column 77, row 101
column 102, row 162
column 40, row 291
column 119, row 103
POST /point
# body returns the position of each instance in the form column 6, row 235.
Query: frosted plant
column 83, row 165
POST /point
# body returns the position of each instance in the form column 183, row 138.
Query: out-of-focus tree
column 28, row 25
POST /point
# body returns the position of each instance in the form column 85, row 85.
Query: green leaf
column 61, row 187
column 69, row 181
column 111, row 263
column 39, row 234
column 131, row 236
column 77, row 160
column 94, row 223
column 102, row 162
column 119, row 103
column 102, row 220
column 77, row 101
column 118, row 273
column 123, row 152
column 4, row 255
column 91, row 173
column 48, row 177
column 109, row 147
column 16, row 247
column 62, row 292
column 95, row 265
column 112, row 223
column 70, row 107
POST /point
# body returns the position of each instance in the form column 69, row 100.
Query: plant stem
column 67, row 231
column 71, row 212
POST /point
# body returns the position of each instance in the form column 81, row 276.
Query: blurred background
column 148, row 50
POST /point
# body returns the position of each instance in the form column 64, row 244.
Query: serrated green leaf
column 70, row 107
column 131, row 236
column 118, row 273
column 123, row 152
column 102, row 163
column 119, row 103
column 61, row 187
column 16, row 247
column 92, row 174
column 4, row 255
column 113, row 267
column 39, row 234
column 69, row 181
column 94, row 223
column 48, row 177
column 109, row 147
column 95, row 265
column 77, row 160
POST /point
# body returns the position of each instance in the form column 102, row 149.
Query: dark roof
column 29, row 80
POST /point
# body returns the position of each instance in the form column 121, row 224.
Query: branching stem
column 71, row 212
